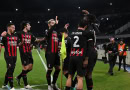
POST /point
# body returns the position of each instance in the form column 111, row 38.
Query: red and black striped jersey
column 10, row 43
column 78, row 43
column 52, row 41
column 27, row 38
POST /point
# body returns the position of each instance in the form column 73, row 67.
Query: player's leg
column 65, row 68
column 65, row 73
column 55, row 77
column 88, row 77
column 11, row 67
column 85, row 63
column 80, row 83
column 68, row 82
column 30, row 58
column 23, row 74
column 89, row 81
column 28, row 69
column 57, row 71
column 72, row 70
column 80, row 73
column 24, row 66
column 50, row 64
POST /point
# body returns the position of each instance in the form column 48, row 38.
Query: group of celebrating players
column 80, row 47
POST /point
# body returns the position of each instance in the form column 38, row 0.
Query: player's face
column 28, row 26
column 52, row 23
column 11, row 28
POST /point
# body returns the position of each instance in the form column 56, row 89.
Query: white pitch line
column 44, row 63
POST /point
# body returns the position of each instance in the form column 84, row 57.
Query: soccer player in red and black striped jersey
column 27, row 39
column 78, row 54
column 10, row 42
column 51, row 55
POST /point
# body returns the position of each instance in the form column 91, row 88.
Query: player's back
column 78, row 43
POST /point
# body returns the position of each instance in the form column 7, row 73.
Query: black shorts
column 92, row 61
column 66, row 64
column 76, row 65
column 10, row 61
column 26, row 58
column 52, row 60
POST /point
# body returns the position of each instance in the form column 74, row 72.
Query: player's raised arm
column 85, row 12
column 57, row 21
column 66, row 26
column 3, row 34
column 40, row 40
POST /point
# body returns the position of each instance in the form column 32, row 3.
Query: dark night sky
column 27, row 9
column 42, row 5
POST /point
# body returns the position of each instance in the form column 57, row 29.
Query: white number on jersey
column 76, row 41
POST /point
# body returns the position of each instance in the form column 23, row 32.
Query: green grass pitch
column 37, row 78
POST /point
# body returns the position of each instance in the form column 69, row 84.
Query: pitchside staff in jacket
column 52, row 54
column 78, row 53
column 122, row 54
column 10, row 42
column 112, row 54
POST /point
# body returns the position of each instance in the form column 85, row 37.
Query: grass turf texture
column 102, row 81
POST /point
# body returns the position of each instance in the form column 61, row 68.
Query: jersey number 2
column 76, row 41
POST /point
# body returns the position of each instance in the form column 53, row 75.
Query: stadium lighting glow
column 111, row 4
column 102, row 18
column 38, row 22
column 16, row 9
column 49, row 9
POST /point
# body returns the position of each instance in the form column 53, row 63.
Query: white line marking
column 42, row 61
column 44, row 64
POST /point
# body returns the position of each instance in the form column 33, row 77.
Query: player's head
column 11, row 27
column 84, row 21
column 51, row 23
column 64, row 31
column 26, row 25
column 112, row 40
column 121, row 41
